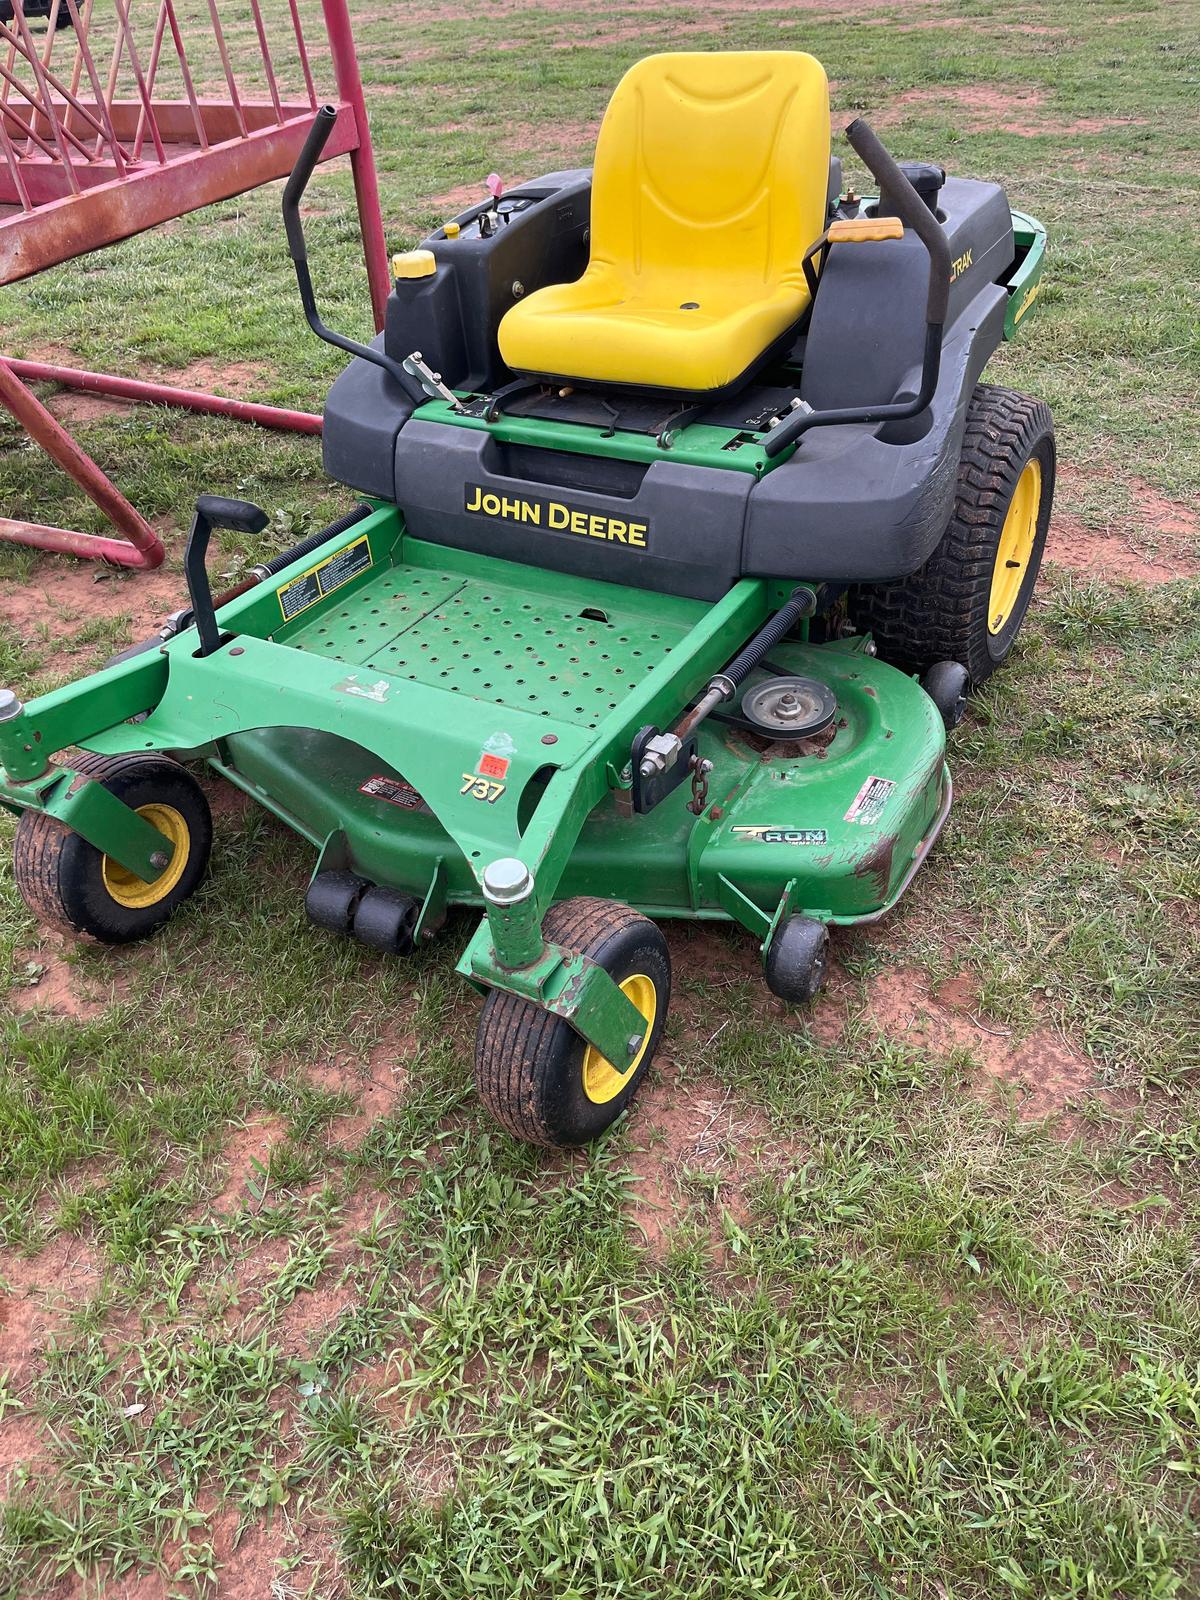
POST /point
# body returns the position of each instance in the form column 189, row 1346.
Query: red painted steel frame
column 77, row 175
column 163, row 394
column 141, row 546
column 362, row 155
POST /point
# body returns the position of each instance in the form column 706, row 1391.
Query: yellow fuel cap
column 452, row 230
column 414, row 264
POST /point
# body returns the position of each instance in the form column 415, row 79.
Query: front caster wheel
column 69, row 884
column 798, row 960
column 534, row 1073
column 947, row 683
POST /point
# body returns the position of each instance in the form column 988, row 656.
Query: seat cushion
column 710, row 183
column 594, row 329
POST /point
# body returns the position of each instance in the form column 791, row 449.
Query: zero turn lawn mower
column 687, row 528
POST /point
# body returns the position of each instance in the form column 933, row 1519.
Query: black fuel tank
column 452, row 317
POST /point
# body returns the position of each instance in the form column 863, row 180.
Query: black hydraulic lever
column 915, row 214
column 310, row 154
column 213, row 511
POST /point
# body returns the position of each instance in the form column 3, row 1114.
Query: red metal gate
column 107, row 129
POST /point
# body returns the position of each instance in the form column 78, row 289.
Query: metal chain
column 700, row 771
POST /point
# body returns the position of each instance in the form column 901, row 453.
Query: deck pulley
column 789, row 708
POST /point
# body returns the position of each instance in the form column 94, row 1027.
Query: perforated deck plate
column 494, row 642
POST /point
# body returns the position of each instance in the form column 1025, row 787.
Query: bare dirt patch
column 305, row 1321
column 997, row 108
column 227, row 804
column 77, row 405
column 252, row 1564
column 136, row 1585
column 525, row 139
column 1165, row 516
column 64, row 595
column 25, row 1450
column 934, row 24
column 235, row 379
column 1046, row 1071
column 458, row 198
column 377, row 1083
column 47, row 982
column 1152, row 538
column 239, row 379
column 248, row 1151
column 37, row 1294
column 1001, row 1327
column 675, row 1130
column 1094, row 554
column 712, row 955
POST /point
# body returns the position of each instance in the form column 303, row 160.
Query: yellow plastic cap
column 414, row 264
column 452, row 230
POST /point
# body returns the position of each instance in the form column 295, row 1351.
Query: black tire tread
column 40, row 841
column 514, row 1034
column 940, row 612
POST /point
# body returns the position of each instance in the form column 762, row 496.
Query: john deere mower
column 687, row 527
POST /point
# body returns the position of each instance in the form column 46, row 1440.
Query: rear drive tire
column 68, row 884
column 968, row 601
column 534, row 1073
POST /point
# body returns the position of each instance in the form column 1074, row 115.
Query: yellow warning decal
column 314, row 584
column 1031, row 295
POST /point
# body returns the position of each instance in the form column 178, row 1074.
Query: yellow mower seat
column 710, row 182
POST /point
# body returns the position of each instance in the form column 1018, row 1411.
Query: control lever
column 495, row 187
column 912, row 212
column 794, row 404
column 310, row 154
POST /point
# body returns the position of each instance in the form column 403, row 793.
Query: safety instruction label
column 324, row 578
column 867, row 806
column 394, row 790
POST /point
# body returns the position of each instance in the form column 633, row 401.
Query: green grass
column 881, row 1334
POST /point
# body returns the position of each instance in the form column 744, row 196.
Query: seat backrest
column 713, row 166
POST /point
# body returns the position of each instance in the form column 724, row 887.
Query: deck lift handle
column 915, row 214
column 310, row 154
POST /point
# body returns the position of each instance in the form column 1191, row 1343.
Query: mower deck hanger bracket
column 645, row 614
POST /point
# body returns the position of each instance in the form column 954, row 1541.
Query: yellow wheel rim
column 601, row 1080
column 125, row 887
column 1016, row 546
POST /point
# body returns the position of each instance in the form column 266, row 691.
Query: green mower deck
column 438, row 710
